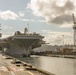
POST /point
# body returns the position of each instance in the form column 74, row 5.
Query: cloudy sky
column 51, row 18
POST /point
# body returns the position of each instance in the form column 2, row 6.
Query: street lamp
column 63, row 39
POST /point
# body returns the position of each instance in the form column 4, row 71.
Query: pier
column 12, row 66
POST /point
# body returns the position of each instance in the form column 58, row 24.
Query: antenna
column 28, row 26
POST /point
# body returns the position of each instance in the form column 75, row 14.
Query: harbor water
column 55, row 65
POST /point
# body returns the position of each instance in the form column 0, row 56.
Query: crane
column 74, row 27
column 73, row 18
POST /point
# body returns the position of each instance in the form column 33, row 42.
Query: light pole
column 63, row 39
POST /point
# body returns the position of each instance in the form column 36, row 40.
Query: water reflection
column 58, row 66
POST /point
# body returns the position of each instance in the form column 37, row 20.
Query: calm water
column 58, row 66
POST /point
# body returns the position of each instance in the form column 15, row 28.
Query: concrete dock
column 13, row 66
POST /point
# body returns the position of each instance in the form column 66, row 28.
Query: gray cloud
column 53, row 11
column 62, row 19
column 68, row 6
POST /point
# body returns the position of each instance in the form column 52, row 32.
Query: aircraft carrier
column 21, row 44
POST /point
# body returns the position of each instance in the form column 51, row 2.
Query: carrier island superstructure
column 21, row 44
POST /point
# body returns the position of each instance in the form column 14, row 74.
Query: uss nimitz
column 21, row 44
